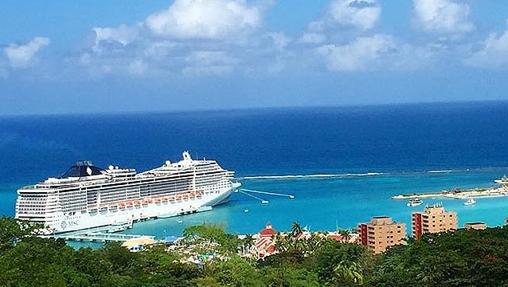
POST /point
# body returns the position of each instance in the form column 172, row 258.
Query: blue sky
column 114, row 56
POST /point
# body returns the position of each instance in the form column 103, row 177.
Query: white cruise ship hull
column 82, row 221
column 88, row 197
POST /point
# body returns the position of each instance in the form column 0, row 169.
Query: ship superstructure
column 87, row 196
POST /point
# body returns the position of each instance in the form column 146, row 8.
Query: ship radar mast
column 186, row 156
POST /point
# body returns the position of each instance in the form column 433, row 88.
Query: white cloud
column 122, row 34
column 159, row 50
column 443, row 16
column 185, row 38
column 361, row 14
column 493, row 52
column 21, row 56
column 342, row 19
column 379, row 52
column 205, row 19
column 357, row 55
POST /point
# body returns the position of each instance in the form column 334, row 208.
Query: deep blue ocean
column 410, row 148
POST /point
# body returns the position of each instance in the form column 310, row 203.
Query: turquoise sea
column 366, row 154
column 340, row 202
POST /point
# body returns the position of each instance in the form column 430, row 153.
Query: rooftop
column 268, row 231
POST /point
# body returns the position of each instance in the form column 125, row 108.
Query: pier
column 100, row 237
column 248, row 192
column 101, row 234
column 290, row 196
column 263, row 201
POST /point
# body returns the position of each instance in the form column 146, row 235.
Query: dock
column 100, row 237
column 101, row 234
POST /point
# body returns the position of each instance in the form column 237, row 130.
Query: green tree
column 247, row 243
column 212, row 234
column 462, row 258
column 235, row 271
column 121, row 259
column 289, row 276
column 296, row 229
column 348, row 273
column 12, row 231
column 332, row 254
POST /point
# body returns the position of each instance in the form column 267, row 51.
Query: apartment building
column 434, row 219
column 381, row 233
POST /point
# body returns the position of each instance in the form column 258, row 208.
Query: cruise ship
column 86, row 196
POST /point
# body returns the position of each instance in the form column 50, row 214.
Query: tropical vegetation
column 463, row 258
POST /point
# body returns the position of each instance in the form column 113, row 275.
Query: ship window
column 82, row 171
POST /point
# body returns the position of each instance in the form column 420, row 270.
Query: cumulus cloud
column 342, row 19
column 160, row 49
column 358, row 55
column 361, row 14
column 185, row 38
column 443, row 16
column 22, row 55
column 205, row 19
column 493, row 52
column 122, row 34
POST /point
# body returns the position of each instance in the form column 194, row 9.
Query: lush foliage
column 464, row 258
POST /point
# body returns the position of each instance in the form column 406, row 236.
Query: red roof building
column 268, row 231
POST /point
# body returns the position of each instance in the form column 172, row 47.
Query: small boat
column 470, row 201
column 414, row 202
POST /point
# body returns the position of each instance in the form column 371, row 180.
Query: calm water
column 467, row 142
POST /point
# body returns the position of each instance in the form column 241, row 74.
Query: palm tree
column 346, row 235
column 296, row 229
column 314, row 242
column 281, row 243
column 348, row 272
column 248, row 242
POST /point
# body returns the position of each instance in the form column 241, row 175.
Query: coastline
column 458, row 194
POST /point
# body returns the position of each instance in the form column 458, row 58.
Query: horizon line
column 260, row 108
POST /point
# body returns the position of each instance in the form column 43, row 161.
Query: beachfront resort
column 379, row 234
